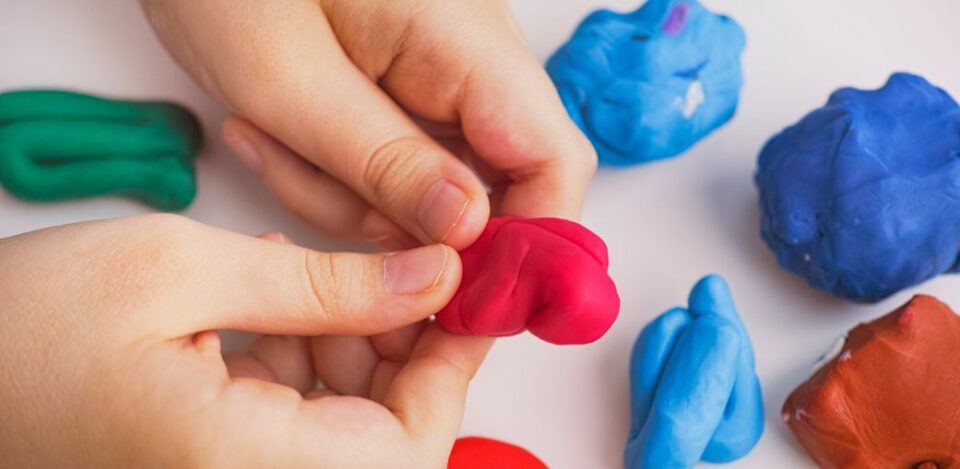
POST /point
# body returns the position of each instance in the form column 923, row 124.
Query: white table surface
column 666, row 224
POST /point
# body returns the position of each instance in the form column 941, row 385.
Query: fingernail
column 441, row 209
column 415, row 271
column 245, row 152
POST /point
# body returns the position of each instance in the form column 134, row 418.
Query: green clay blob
column 58, row 145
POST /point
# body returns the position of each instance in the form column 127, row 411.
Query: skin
column 401, row 123
column 110, row 355
column 354, row 112
column 366, row 105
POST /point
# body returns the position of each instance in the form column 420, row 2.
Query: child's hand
column 109, row 355
column 355, row 111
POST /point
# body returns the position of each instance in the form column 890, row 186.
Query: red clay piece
column 545, row 275
column 484, row 453
column 889, row 398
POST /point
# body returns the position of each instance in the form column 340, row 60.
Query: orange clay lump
column 889, row 398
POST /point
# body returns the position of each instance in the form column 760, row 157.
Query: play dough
column 862, row 196
column 694, row 393
column 545, row 275
column 57, row 145
column 484, row 453
column 888, row 398
column 649, row 84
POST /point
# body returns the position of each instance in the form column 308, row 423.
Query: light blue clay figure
column 694, row 391
column 648, row 85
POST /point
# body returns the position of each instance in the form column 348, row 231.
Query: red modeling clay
column 484, row 453
column 889, row 398
column 546, row 275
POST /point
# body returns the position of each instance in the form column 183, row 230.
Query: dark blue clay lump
column 862, row 196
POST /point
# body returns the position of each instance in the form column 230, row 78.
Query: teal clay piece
column 59, row 145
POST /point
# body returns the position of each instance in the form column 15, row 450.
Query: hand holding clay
column 547, row 275
column 649, row 84
column 862, row 196
column 57, row 145
column 323, row 107
column 111, row 357
column 695, row 395
column 888, row 397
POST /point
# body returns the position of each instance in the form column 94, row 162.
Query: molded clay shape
column 648, row 85
column 889, row 397
column 484, row 453
column 545, row 275
column 694, row 392
column 58, row 145
column 862, row 197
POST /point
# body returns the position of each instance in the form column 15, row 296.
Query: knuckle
column 147, row 251
column 129, row 265
column 161, row 239
column 589, row 160
column 334, row 282
column 395, row 168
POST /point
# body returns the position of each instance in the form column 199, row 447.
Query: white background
column 666, row 224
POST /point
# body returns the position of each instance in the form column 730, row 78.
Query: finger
column 429, row 393
column 241, row 365
column 284, row 360
column 348, row 128
column 356, row 366
column 223, row 280
column 278, row 359
column 458, row 145
column 647, row 362
column 507, row 106
column 310, row 193
column 396, row 345
column 691, row 398
column 394, row 348
column 529, row 137
column 345, row 364
column 383, row 378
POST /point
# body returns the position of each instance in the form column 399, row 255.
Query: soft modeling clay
column 888, row 398
column 484, row 453
column 648, row 85
column 694, row 392
column 545, row 275
column 862, row 196
column 57, row 145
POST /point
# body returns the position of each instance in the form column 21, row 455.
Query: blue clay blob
column 648, row 85
column 862, row 196
column 694, row 393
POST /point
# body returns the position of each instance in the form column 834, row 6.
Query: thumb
column 429, row 393
column 224, row 280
